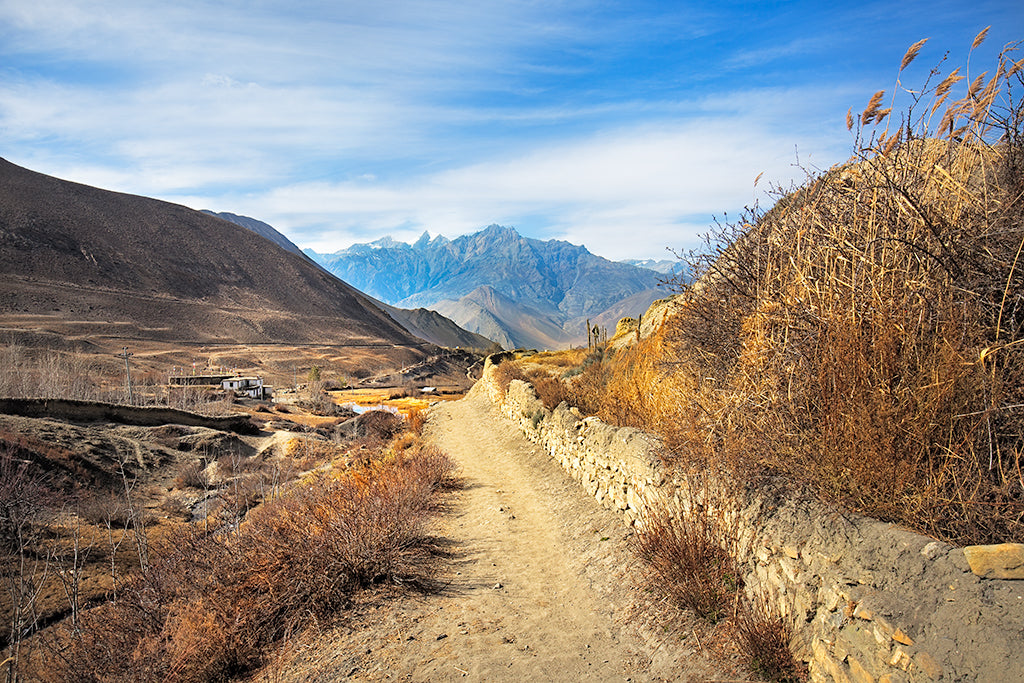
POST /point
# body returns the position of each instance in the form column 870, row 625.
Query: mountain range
column 425, row 324
column 90, row 267
column 663, row 266
column 515, row 290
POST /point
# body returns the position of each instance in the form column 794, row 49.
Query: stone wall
column 869, row 601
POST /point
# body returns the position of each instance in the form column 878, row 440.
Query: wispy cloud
column 621, row 125
column 627, row 192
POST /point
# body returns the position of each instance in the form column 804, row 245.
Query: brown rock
column 858, row 672
column 902, row 638
column 862, row 612
column 625, row 326
column 823, row 661
column 1002, row 561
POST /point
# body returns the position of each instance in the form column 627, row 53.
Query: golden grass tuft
column 912, row 53
column 873, row 104
column 980, row 38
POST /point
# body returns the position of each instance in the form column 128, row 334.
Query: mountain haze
column 515, row 290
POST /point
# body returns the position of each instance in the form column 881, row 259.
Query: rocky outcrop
column 868, row 601
column 1001, row 561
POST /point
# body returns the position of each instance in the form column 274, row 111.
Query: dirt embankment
column 144, row 416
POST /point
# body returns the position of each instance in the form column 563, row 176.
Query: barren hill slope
column 77, row 260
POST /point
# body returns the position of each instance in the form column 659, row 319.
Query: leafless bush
column 209, row 607
column 381, row 424
column 192, row 474
column 417, row 421
column 26, row 506
column 691, row 556
column 505, row 372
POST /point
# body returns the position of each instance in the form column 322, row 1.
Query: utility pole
column 127, row 373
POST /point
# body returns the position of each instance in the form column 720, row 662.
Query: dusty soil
column 540, row 585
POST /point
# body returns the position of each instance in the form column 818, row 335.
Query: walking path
column 542, row 584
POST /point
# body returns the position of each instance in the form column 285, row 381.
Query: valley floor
column 541, row 585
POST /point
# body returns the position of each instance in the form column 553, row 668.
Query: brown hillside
column 77, row 261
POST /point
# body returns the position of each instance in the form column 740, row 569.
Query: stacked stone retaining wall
column 869, row 601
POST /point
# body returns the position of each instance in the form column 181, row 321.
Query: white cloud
column 338, row 121
column 629, row 192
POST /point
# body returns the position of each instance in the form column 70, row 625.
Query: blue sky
column 625, row 126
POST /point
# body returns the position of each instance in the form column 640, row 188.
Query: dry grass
column 764, row 637
column 417, row 421
column 691, row 557
column 210, row 606
column 687, row 559
column 864, row 337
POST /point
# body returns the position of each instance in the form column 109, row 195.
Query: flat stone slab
column 1001, row 561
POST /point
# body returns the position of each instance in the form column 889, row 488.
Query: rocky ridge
column 516, row 290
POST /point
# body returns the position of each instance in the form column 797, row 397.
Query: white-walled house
column 251, row 386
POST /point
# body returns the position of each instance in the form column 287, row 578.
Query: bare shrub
column 505, row 372
column 210, row 606
column 26, row 506
column 193, row 475
column 550, row 390
column 241, row 494
column 381, row 424
column 690, row 557
column 417, row 421
column 311, row 449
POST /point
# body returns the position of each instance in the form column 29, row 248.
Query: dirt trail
column 532, row 614
column 542, row 586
